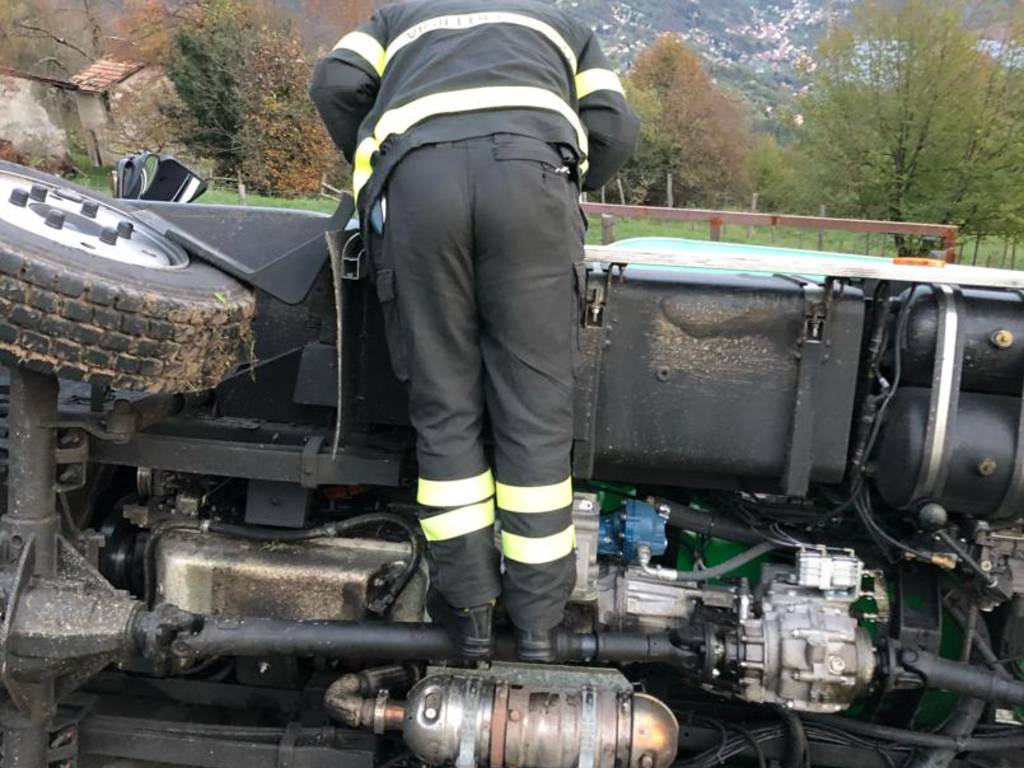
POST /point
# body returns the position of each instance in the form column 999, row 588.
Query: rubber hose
column 705, row 523
column 798, row 754
column 272, row 534
column 917, row 738
column 955, row 676
column 412, row 533
column 730, row 565
column 967, row 712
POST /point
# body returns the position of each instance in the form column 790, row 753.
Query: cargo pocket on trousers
column 387, row 296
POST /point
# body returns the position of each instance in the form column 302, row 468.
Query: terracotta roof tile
column 104, row 74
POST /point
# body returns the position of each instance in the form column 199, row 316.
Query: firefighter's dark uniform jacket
column 471, row 127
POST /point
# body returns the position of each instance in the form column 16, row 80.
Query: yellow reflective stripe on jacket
column 546, row 549
column 592, row 80
column 458, row 522
column 464, row 21
column 365, row 46
column 362, row 167
column 455, row 493
column 537, row 498
column 401, row 119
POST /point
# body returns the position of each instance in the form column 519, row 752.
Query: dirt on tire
column 66, row 312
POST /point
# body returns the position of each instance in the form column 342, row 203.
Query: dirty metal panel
column 325, row 579
column 699, row 380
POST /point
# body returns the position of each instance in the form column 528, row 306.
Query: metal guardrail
column 716, row 220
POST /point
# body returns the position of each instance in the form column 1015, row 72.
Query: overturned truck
column 798, row 507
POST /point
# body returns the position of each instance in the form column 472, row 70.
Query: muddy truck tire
column 90, row 293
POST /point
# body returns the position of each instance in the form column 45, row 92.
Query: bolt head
column 38, row 193
column 430, row 713
column 90, row 208
column 836, row 665
column 108, row 236
column 987, row 467
column 515, row 715
column 646, row 761
column 1002, row 339
column 125, row 229
column 19, row 197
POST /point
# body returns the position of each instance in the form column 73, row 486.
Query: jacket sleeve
column 611, row 124
column 345, row 82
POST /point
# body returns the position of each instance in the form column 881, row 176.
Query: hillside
column 753, row 46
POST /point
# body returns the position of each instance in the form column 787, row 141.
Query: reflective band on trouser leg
column 458, row 522
column 529, row 551
column 401, row 119
column 535, row 498
column 455, row 493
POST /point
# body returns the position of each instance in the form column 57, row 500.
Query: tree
column 209, row 55
column 241, row 75
column 694, row 127
column 284, row 145
column 56, row 37
column 912, row 115
column 772, row 172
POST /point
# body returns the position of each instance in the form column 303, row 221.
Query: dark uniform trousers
column 477, row 272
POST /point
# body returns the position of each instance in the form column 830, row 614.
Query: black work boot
column 535, row 645
column 470, row 628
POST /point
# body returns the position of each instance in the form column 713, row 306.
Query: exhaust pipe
column 520, row 717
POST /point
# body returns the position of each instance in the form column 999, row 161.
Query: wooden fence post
column 603, row 201
column 622, row 192
column 821, row 232
column 607, row 229
column 241, row 190
column 668, row 188
column 753, row 209
column 715, row 229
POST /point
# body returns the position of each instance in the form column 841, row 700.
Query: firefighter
column 472, row 126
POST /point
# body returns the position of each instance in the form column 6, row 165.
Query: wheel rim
column 67, row 217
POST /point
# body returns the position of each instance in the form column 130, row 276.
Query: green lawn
column 991, row 252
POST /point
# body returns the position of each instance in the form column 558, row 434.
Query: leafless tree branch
column 59, row 39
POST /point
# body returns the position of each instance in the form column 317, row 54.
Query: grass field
column 991, row 252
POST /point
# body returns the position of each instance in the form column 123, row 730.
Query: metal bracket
column 286, row 747
column 352, row 265
column 945, row 400
column 797, row 474
column 308, row 467
column 72, row 459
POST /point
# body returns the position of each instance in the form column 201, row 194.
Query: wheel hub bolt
column 125, row 229
column 90, row 208
column 19, row 197
column 39, row 193
column 55, row 219
column 108, row 236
